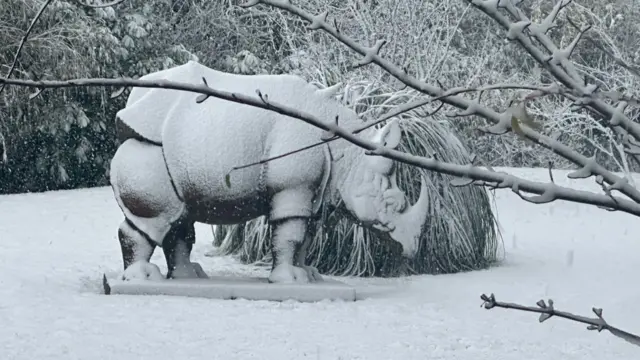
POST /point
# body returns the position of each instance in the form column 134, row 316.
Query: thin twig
column 547, row 311
column 288, row 153
column 392, row 113
column 24, row 40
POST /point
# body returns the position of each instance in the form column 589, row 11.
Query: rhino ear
column 331, row 91
column 390, row 134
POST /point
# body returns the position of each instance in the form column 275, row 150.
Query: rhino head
column 370, row 192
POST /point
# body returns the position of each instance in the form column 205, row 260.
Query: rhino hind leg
column 144, row 192
column 177, row 248
column 136, row 253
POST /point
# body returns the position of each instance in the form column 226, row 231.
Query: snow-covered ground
column 56, row 246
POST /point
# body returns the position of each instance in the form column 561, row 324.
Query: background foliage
column 64, row 139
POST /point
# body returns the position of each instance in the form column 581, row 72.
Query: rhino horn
column 330, row 91
column 410, row 223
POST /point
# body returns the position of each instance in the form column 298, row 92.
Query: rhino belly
column 201, row 154
column 217, row 212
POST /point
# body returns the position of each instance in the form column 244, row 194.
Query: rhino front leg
column 289, row 236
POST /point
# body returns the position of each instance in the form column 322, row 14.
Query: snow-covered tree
column 64, row 139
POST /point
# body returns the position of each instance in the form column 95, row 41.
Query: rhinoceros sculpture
column 171, row 168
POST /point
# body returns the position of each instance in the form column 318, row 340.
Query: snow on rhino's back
column 147, row 108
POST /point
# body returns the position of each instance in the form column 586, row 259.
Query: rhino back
column 147, row 108
column 203, row 142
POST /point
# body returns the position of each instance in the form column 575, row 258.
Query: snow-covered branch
column 555, row 60
column 505, row 121
column 547, row 310
column 544, row 192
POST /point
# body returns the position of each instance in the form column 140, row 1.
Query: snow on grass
column 56, row 246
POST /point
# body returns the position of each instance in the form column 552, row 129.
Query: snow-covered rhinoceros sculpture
column 170, row 171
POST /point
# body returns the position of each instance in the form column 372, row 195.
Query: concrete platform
column 229, row 288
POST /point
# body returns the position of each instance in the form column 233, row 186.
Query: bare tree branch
column 24, row 40
column 547, row 311
column 546, row 192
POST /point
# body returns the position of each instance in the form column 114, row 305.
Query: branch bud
column 318, row 21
